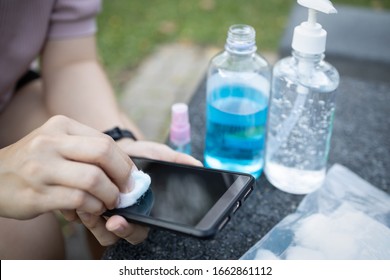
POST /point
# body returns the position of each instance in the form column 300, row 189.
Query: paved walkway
column 169, row 75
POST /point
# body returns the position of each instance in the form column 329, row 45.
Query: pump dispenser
column 309, row 37
column 301, row 108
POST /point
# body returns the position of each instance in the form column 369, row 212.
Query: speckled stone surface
column 360, row 141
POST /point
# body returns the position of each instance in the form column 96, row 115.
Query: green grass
column 130, row 29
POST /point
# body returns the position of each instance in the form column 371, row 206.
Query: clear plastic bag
column 347, row 218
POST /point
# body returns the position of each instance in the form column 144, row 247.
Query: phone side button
column 236, row 206
column 248, row 192
column 224, row 222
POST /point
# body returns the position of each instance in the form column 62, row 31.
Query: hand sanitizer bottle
column 301, row 109
column 238, row 85
column 180, row 129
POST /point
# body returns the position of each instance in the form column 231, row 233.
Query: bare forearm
column 76, row 86
column 82, row 92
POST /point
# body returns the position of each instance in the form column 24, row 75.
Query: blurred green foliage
column 130, row 29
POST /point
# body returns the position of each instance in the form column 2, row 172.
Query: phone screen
column 181, row 195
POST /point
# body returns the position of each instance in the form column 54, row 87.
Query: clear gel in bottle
column 301, row 109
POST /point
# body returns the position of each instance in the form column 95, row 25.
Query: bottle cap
column 180, row 126
column 309, row 37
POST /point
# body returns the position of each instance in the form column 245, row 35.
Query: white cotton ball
column 141, row 185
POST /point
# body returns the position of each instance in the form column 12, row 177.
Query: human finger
column 159, row 151
column 96, row 225
column 59, row 197
column 91, row 146
column 182, row 158
column 133, row 233
column 102, row 152
column 70, row 215
column 86, row 177
column 62, row 124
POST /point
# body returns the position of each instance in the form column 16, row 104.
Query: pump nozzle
column 309, row 37
column 324, row 6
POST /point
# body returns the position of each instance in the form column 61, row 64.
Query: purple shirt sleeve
column 73, row 18
column 26, row 25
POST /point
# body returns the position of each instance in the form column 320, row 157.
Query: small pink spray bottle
column 180, row 130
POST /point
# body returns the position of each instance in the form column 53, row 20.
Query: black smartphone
column 196, row 201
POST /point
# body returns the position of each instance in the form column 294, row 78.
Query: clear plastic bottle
column 238, row 86
column 301, row 112
column 180, row 129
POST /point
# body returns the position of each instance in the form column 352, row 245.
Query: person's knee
column 25, row 112
column 38, row 238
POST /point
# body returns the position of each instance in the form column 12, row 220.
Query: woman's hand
column 156, row 151
column 61, row 165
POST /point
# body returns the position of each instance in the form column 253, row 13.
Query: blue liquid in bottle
column 236, row 119
column 238, row 85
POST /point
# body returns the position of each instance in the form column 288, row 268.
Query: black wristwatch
column 116, row 133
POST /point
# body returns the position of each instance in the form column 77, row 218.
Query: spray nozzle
column 180, row 125
column 310, row 37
